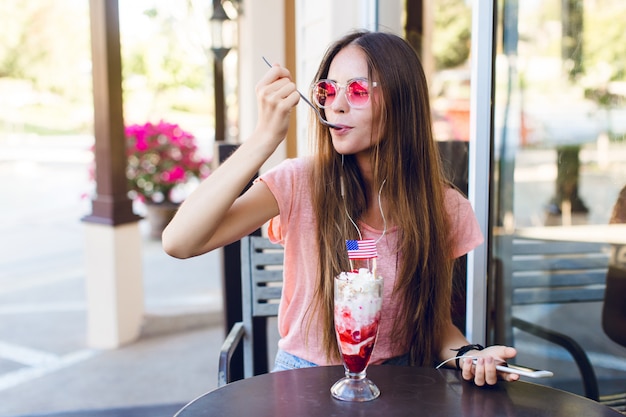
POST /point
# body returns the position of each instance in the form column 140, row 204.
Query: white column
column 390, row 14
column 261, row 33
column 115, row 302
column 479, row 156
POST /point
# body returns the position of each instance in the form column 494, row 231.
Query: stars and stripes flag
column 361, row 249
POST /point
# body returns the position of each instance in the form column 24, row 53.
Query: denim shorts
column 285, row 361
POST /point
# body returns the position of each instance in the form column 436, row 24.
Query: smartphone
column 523, row 370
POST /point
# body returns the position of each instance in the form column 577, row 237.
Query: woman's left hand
column 484, row 370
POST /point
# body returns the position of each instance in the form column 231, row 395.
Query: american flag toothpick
column 361, row 249
column 364, row 250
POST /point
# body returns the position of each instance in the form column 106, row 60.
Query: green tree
column 452, row 33
column 45, row 42
column 164, row 51
column 605, row 39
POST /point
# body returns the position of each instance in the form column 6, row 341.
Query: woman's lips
column 341, row 129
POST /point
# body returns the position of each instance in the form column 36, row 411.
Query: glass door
column 558, row 170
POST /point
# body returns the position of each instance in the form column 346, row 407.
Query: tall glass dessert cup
column 358, row 300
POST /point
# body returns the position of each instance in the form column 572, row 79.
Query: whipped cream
column 358, row 299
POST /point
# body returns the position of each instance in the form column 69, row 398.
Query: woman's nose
column 340, row 103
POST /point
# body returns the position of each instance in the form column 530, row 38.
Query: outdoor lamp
column 222, row 37
column 222, row 31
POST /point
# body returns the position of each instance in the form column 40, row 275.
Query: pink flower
column 177, row 173
column 160, row 157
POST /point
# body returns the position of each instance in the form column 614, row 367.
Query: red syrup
column 365, row 336
column 357, row 363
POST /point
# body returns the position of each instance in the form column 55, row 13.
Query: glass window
column 559, row 167
column 445, row 56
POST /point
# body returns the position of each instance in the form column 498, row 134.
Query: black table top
column 405, row 391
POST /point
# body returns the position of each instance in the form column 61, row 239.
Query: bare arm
column 214, row 214
column 453, row 339
column 484, row 371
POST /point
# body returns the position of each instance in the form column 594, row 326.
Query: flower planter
column 159, row 216
column 163, row 164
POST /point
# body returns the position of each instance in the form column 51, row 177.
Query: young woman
column 378, row 176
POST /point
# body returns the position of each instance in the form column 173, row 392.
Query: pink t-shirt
column 295, row 229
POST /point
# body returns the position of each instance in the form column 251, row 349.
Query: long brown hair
column 619, row 209
column 407, row 159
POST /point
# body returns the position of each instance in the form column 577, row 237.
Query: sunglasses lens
column 358, row 93
column 324, row 93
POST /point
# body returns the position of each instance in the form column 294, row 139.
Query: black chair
column 614, row 320
column 261, row 287
column 614, row 308
column 552, row 272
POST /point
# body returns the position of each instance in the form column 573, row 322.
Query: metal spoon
column 319, row 115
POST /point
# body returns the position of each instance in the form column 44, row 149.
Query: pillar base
column 114, row 285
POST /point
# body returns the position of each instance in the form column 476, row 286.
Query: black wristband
column 463, row 350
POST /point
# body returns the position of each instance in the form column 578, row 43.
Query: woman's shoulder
column 289, row 175
column 454, row 198
column 459, row 209
column 465, row 229
column 296, row 165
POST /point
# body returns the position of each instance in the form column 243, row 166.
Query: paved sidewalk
column 45, row 364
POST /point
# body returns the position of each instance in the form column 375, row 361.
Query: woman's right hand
column 276, row 97
column 215, row 214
